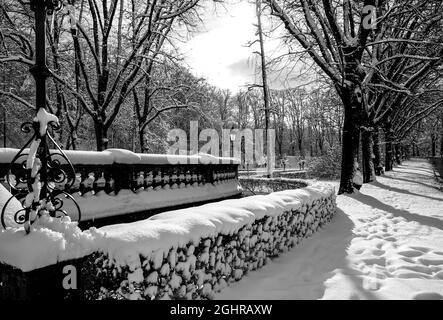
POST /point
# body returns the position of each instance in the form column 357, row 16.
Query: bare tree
column 335, row 39
column 109, row 69
column 364, row 47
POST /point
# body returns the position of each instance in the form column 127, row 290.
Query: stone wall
column 186, row 254
column 199, row 270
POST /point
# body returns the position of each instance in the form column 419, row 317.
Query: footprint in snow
column 422, row 249
column 379, row 245
column 371, row 284
column 373, row 236
column 396, row 220
column 402, row 274
column 427, row 296
column 410, row 253
column 378, row 252
column 417, row 268
column 406, row 259
column 431, row 262
column 378, row 261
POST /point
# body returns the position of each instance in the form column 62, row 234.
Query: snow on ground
column 384, row 243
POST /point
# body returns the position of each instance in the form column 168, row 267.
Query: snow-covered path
column 384, row 243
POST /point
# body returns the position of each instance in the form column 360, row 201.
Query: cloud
column 242, row 67
column 220, row 53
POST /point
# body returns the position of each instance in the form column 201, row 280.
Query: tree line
column 116, row 75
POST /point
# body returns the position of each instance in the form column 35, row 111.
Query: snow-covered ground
column 384, row 243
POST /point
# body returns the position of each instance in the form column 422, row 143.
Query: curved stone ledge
column 185, row 254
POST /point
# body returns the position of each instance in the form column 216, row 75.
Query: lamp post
column 40, row 168
column 232, row 136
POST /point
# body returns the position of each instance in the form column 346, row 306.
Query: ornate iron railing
column 40, row 179
column 41, row 170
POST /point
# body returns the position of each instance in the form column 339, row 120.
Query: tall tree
column 110, row 64
column 335, row 39
column 362, row 46
column 264, row 85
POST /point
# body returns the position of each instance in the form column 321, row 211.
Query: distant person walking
column 284, row 161
column 301, row 163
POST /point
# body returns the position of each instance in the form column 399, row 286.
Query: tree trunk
column 389, row 152
column 349, row 154
column 300, row 147
column 74, row 136
column 441, row 137
column 265, row 86
column 101, row 136
column 141, row 137
column 397, row 154
column 441, row 145
column 433, row 145
column 355, row 116
column 378, row 166
column 367, row 156
column 73, row 143
column 353, row 119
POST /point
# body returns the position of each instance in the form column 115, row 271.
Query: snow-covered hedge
column 290, row 174
column 268, row 185
column 188, row 253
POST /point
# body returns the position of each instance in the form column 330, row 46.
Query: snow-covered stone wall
column 190, row 253
column 204, row 265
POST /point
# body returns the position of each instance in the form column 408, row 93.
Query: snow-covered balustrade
column 126, row 182
column 183, row 254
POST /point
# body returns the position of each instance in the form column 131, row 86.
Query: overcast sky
column 219, row 52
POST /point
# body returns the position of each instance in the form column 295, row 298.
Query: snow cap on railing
column 122, row 156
